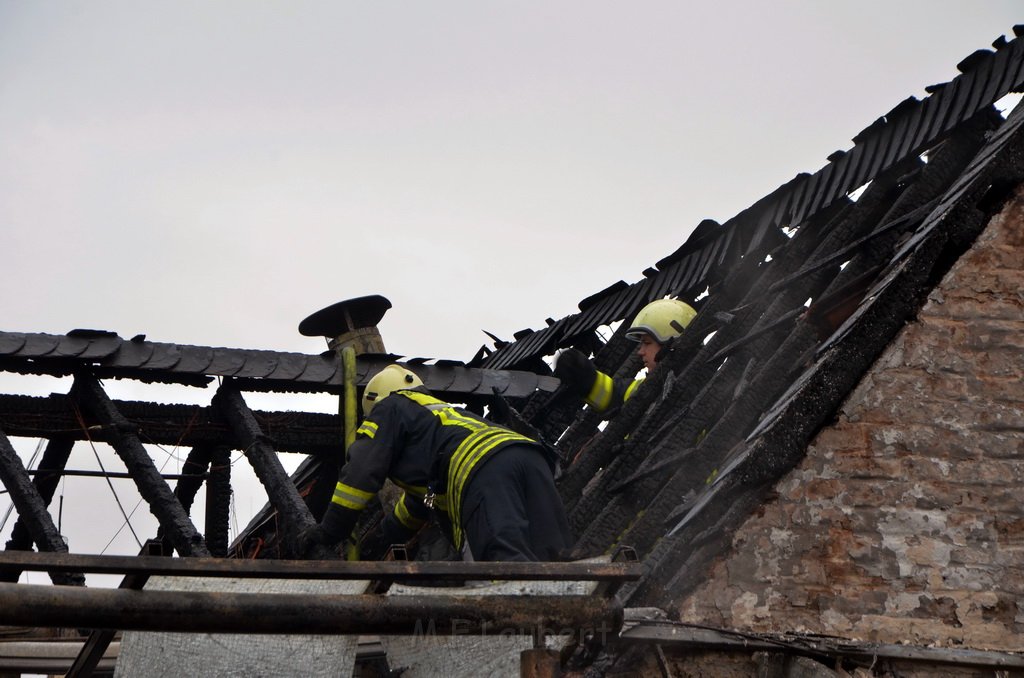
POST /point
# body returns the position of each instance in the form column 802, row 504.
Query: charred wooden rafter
column 97, row 406
column 779, row 440
column 781, row 350
column 32, row 509
column 45, row 478
column 293, row 512
column 195, row 472
column 218, row 501
column 667, row 436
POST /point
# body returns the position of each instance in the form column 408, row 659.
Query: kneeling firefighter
column 491, row 489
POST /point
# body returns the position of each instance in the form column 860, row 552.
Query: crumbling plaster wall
column 905, row 522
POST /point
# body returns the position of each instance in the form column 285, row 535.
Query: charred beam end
column 280, row 488
column 32, row 511
column 173, row 518
column 193, row 612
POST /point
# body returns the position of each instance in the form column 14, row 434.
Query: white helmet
column 663, row 319
column 386, row 382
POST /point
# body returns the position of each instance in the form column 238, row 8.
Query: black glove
column 375, row 544
column 575, row 371
column 313, row 541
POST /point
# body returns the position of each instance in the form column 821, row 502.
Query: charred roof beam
column 776, row 372
column 124, row 438
column 32, row 510
column 218, row 501
column 281, row 490
column 778, row 442
column 45, row 479
column 604, row 513
column 200, row 466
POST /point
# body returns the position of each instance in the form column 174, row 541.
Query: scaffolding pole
column 220, row 612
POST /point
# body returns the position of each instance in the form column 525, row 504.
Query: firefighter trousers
column 512, row 510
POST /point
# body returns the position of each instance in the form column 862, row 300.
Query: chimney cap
column 345, row 316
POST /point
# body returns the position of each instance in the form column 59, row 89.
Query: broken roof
column 797, row 296
column 816, row 286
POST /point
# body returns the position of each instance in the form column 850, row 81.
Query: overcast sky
column 212, row 172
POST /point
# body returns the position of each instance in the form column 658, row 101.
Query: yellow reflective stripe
column 483, row 438
column 351, row 497
column 420, row 492
column 466, row 457
column 464, row 454
column 446, row 412
column 406, row 518
column 600, row 395
column 367, row 428
column 472, row 448
column 471, row 458
column 631, row 389
column 450, row 417
column 421, row 398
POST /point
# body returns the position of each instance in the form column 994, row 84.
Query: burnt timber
column 798, row 297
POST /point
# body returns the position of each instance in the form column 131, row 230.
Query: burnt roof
column 106, row 355
column 814, row 286
column 804, row 289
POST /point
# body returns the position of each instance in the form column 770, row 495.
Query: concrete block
column 170, row 655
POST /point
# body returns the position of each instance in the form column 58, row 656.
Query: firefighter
column 654, row 328
column 491, row 489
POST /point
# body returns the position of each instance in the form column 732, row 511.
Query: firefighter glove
column 575, row 371
column 313, row 541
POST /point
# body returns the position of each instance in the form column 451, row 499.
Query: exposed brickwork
column 905, row 522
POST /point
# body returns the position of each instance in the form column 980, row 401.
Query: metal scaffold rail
column 282, row 613
column 449, row 571
column 220, row 612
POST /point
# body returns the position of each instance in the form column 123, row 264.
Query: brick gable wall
column 905, row 522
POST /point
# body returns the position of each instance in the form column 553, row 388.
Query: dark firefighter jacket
column 429, row 448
